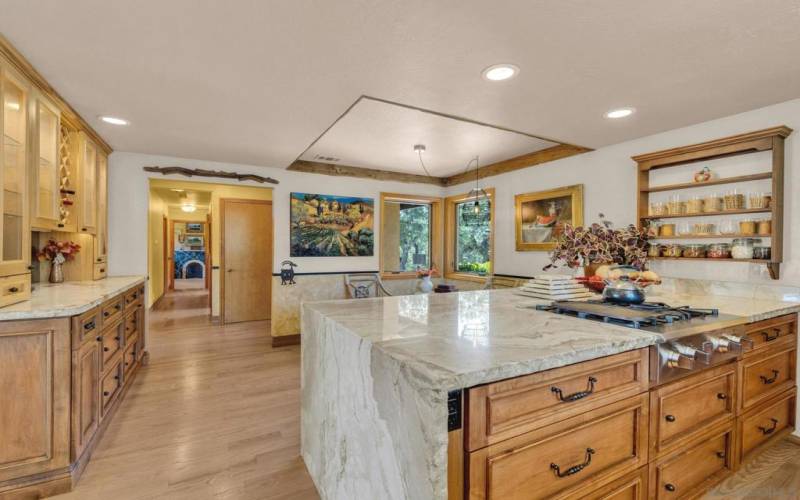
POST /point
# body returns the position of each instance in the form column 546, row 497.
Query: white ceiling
column 256, row 82
column 382, row 135
column 201, row 199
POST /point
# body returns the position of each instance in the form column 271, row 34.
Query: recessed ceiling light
column 500, row 72
column 114, row 120
column 620, row 113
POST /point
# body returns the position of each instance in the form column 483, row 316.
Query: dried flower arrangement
column 422, row 273
column 600, row 244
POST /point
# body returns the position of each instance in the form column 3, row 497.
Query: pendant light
column 477, row 194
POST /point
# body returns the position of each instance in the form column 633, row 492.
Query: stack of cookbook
column 555, row 287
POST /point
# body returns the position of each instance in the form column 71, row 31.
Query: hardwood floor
column 774, row 474
column 215, row 415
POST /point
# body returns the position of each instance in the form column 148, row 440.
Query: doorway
column 188, row 265
column 246, row 259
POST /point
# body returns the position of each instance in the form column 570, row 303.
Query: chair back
column 364, row 286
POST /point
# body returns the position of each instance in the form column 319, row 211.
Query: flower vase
column 425, row 284
column 56, row 272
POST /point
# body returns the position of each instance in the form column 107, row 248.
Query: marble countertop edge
column 67, row 299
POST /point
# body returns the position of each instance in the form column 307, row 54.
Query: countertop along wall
column 609, row 178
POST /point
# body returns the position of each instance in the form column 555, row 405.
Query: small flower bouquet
column 427, row 273
column 57, row 252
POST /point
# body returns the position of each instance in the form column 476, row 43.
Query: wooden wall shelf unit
column 771, row 139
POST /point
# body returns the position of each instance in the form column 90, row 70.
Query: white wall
column 129, row 191
column 609, row 178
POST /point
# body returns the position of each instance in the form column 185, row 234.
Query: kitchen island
column 376, row 374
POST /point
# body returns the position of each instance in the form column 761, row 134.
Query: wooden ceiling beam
column 315, row 167
column 517, row 163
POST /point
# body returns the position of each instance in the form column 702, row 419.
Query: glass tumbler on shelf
column 757, row 200
column 658, row 208
column 712, row 203
column 684, row 229
column 727, row 226
column 694, row 205
column 733, row 200
column 675, row 206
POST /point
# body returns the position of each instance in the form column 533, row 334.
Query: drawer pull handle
column 670, row 487
column 575, row 468
column 117, row 306
column 770, row 338
column 769, row 430
column 721, row 454
column 722, row 396
column 670, row 418
column 13, row 289
column 768, row 381
column 106, row 393
column 576, row 396
column 89, row 325
column 106, row 314
column 105, row 349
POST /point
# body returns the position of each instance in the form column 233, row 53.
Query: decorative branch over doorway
column 199, row 172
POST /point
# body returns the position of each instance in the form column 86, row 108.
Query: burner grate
column 631, row 315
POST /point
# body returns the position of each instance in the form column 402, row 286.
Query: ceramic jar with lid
column 654, row 250
column 672, row 250
column 762, row 252
column 742, row 248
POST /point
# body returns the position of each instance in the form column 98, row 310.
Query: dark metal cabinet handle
column 770, row 338
column 106, row 314
column 670, row 487
column 106, row 393
column 720, row 454
column 83, row 229
column 769, row 430
column 772, row 380
column 670, row 418
column 576, row 396
column 13, row 289
column 722, row 396
column 89, row 325
column 575, row 468
column 117, row 306
column 105, row 349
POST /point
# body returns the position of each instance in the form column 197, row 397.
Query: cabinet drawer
column 110, row 386
column 772, row 332
column 682, row 410
column 766, row 421
column 133, row 298
column 131, row 325
column 766, row 375
column 630, row 487
column 99, row 271
column 688, row 473
column 86, row 327
column 568, row 459
column 508, row 408
column 15, row 289
column 129, row 358
column 111, row 342
column 112, row 309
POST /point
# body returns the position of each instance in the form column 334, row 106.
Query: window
column 410, row 229
column 469, row 236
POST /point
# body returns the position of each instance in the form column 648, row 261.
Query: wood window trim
column 436, row 231
column 450, row 236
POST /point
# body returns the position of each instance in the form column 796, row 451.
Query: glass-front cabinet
column 15, row 255
column 101, row 238
column 87, row 191
column 46, row 193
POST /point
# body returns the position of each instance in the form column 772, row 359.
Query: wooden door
column 167, row 245
column 35, row 399
column 85, row 395
column 246, row 228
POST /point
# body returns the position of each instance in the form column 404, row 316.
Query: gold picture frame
column 539, row 215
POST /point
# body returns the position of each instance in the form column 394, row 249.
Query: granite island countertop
column 459, row 340
column 67, row 299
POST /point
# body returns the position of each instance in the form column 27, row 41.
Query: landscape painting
column 331, row 226
column 540, row 217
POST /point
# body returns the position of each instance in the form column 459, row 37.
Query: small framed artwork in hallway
column 246, row 259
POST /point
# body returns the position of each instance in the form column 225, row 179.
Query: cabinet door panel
column 101, row 238
column 87, row 220
column 34, row 402
column 46, row 192
column 85, row 395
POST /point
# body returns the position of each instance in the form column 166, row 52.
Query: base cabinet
column 62, row 381
column 612, row 436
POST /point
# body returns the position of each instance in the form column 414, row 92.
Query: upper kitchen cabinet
column 45, row 177
column 101, row 238
column 15, row 256
column 87, row 184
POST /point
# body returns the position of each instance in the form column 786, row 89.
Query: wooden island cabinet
column 62, row 380
column 604, row 429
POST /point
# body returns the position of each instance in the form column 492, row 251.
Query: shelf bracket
column 774, row 269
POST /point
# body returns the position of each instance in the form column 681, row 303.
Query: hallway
column 213, row 416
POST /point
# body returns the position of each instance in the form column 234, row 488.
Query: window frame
column 436, row 232
column 450, row 224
